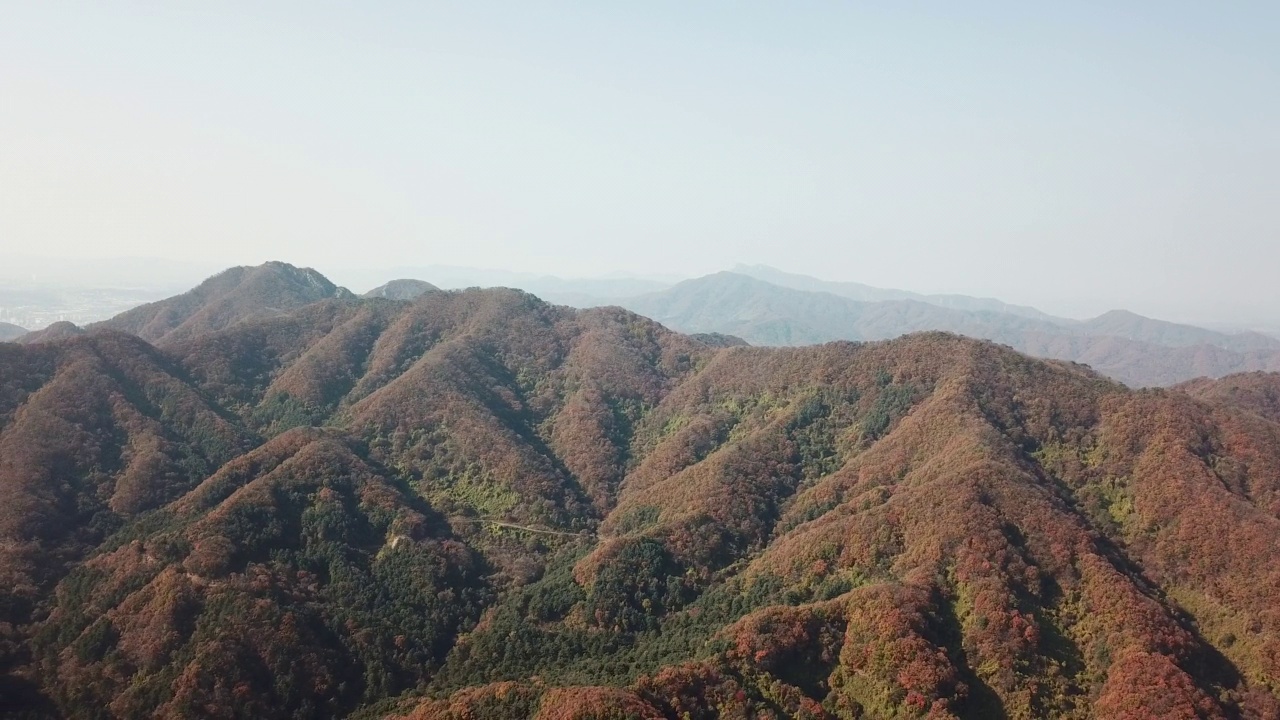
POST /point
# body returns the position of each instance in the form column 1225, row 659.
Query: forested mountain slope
column 476, row 504
column 1257, row 392
column 232, row 296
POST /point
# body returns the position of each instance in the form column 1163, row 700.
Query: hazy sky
column 1075, row 155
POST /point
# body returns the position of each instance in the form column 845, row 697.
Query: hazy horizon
column 165, row 277
column 1074, row 158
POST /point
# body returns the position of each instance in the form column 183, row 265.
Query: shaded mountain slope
column 952, row 529
column 232, row 296
column 94, row 431
column 499, row 365
column 481, row 505
column 328, row 342
column 497, row 455
column 296, row 581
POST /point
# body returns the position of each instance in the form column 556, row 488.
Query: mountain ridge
column 231, row 296
column 868, row 293
column 320, row 513
column 1132, row 326
column 766, row 314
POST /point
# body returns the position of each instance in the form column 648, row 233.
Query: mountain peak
column 272, row 273
column 1121, row 314
column 56, row 331
column 233, row 295
column 1132, row 326
column 402, row 289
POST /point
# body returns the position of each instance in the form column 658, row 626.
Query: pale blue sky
column 1075, row 156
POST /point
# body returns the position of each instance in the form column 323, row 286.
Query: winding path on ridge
column 526, row 528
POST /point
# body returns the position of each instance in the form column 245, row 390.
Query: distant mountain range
column 867, row 293
column 9, row 331
column 575, row 292
column 775, row 319
column 758, row 305
column 1136, row 350
column 299, row 503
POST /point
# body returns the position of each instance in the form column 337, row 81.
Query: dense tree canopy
column 477, row 505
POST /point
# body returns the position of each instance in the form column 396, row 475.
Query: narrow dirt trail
column 526, row 528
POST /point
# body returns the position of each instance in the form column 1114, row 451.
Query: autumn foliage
column 478, row 505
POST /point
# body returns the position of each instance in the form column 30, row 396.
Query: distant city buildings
column 35, row 307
